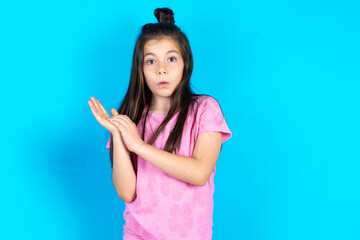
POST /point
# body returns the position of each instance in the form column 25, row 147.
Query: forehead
column 161, row 46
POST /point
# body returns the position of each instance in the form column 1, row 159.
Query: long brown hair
column 138, row 96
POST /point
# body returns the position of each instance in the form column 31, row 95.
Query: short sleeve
column 211, row 118
column 108, row 143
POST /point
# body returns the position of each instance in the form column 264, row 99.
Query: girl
column 165, row 140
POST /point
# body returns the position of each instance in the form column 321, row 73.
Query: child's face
column 163, row 66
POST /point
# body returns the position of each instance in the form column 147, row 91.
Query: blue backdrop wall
column 285, row 73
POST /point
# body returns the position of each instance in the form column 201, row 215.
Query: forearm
column 123, row 174
column 186, row 169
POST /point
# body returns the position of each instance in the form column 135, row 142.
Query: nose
column 162, row 69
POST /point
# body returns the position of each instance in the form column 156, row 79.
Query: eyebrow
column 170, row 51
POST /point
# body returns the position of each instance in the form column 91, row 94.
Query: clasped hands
column 118, row 125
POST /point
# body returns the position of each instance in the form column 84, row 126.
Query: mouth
column 163, row 84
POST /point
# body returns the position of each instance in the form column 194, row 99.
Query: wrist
column 140, row 147
column 115, row 134
column 118, row 142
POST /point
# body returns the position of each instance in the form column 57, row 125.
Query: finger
column 93, row 109
column 127, row 119
column 114, row 112
column 118, row 125
column 118, row 119
column 99, row 116
column 115, row 117
column 122, row 121
column 96, row 105
column 103, row 110
column 113, row 124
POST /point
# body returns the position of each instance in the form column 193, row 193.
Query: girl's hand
column 128, row 131
column 102, row 116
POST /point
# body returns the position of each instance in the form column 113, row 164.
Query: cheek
column 180, row 71
column 147, row 82
column 147, row 74
column 149, row 70
column 181, row 68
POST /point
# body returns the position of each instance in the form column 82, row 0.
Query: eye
column 172, row 59
column 150, row 61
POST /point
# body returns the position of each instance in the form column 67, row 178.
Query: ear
column 114, row 112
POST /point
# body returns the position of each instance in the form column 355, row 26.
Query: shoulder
column 210, row 117
column 203, row 98
column 205, row 102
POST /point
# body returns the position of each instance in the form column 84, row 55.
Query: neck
column 160, row 105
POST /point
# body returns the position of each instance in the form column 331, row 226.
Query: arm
column 123, row 175
column 195, row 170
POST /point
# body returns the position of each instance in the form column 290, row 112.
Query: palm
column 101, row 114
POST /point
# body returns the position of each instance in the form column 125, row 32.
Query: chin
column 165, row 96
column 167, row 92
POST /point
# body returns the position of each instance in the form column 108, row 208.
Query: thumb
column 114, row 112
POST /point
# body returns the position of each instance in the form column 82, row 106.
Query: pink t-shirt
column 165, row 207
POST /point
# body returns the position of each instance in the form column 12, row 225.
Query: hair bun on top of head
column 164, row 15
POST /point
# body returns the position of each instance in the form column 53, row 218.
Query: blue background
column 286, row 74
